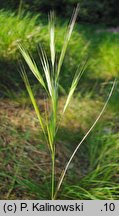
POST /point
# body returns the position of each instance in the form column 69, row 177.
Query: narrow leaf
column 67, row 38
column 88, row 132
column 46, row 69
column 32, row 65
column 52, row 38
column 28, row 87
column 74, row 85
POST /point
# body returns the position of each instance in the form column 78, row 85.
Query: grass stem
column 53, row 175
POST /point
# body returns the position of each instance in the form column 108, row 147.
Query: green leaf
column 46, row 69
column 32, row 65
column 67, row 38
column 74, row 85
column 28, row 87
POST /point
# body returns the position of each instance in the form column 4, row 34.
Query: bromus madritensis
column 50, row 84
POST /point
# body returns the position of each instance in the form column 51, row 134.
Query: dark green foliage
column 100, row 11
column 106, row 11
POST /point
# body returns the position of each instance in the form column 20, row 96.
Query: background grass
column 26, row 173
column 101, row 45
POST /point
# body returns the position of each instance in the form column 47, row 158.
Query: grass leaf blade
column 52, row 38
column 28, row 87
column 32, row 65
column 74, row 85
column 46, row 69
column 67, row 38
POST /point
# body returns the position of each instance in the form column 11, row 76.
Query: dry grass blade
column 76, row 149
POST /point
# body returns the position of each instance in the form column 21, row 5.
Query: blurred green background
column 24, row 159
column 91, row 11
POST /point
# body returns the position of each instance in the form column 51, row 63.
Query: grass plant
column 50, row 83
